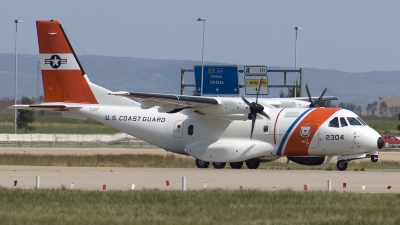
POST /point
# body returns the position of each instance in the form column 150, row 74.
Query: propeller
column 313, row 104
column 255, row 108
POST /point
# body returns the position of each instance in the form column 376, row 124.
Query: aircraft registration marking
column 334, row 137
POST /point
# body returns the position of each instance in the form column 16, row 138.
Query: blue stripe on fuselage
column 279, row 152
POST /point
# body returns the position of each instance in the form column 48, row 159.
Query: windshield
column 353, row 121
column 362, row 121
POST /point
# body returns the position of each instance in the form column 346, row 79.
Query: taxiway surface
column 116, row 178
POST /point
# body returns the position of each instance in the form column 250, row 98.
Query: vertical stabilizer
column 62, row 75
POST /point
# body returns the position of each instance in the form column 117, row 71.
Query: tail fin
column 64, row 79
column 62, row 74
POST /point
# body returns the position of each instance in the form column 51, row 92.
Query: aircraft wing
column 324, row 98
column 169, row 102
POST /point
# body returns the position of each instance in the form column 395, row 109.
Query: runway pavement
column 123, row 178
column 93, row 178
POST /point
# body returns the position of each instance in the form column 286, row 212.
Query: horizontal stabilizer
column 49, row 107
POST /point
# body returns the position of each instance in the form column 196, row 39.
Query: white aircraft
column 211, row 129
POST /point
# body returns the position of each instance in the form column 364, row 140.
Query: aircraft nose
column 380, row 142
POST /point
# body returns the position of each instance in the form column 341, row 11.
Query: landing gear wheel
column 202, row 164
column 374, row 158
column 253, row 163
column 341, row 165
column 219, row 165
column 236, row 165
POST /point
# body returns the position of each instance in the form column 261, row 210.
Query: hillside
column 163, row 76
column 387, row 107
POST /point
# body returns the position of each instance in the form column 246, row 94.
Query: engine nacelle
column 307, row 160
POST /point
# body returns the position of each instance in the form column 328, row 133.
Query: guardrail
column 72, row 140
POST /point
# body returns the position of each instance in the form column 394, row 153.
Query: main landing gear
column 202, row 164
column 236, row 165
column 219, row 165
column 251, row 164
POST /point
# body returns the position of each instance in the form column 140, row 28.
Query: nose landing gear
column 374, row 158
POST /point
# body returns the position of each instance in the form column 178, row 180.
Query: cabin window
column 334, row 122
column 190, row 130
column 353, row 121
column 343, row 122
column 265, row 128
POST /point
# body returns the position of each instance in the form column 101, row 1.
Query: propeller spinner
column 255, row 108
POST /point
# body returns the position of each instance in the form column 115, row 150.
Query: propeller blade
column 309, row 97
column 254, row 109
column 320, row 96
column 264, row 114
column 253, row 122
column 245, row 100
column 258, row 88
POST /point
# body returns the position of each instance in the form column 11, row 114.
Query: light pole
column 15, row 88
column 202, row 55
column 295, row 60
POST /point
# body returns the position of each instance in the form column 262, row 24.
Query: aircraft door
column 178, row 129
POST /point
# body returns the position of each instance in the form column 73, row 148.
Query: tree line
column 376, row 108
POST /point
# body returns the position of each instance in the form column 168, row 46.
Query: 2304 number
column 334, row 137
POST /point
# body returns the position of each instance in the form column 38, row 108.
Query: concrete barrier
column 72, row 140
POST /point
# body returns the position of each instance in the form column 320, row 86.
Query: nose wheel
column 374, row 158
column 341, row 165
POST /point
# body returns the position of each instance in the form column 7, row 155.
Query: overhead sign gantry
column 252, row 76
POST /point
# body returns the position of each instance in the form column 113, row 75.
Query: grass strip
column 165, row 161
column 217, row 206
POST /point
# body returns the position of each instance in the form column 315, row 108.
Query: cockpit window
column 343, row 122
column 334, row 122
column 362, row 121
column 353, row 121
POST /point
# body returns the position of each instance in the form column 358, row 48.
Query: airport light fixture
column 15, row 88
column 202, row 55
column 295, row 60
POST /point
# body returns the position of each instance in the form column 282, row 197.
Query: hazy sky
column 346, row 35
